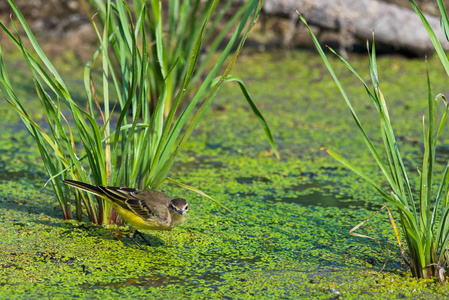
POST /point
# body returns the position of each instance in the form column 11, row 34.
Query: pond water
column 291, row 237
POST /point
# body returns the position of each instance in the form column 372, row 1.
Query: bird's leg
column 131, row 236
column 143, row 238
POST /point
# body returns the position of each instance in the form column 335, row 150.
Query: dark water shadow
column 313, row 193
column 442, row 154
column 323, row 198
column 252, row 179
column 316, row 198
column 199, row 161
column 33, row 176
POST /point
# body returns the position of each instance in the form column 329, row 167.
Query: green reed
column 424, row 216
column 171, row 35
column 132, row 129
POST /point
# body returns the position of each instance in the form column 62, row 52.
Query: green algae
column 291, row 237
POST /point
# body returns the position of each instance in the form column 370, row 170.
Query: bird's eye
column 187, row 207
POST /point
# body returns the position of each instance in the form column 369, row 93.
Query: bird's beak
column 181, row 211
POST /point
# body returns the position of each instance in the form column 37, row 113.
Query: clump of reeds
column 424, row 218
column 134, row 125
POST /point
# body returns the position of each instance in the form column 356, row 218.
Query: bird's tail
column 85, row 187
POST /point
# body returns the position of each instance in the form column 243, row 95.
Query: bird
column 144, row 209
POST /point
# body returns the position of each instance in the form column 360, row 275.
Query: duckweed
column 290, row 238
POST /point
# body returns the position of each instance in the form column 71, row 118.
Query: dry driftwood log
column 399, row 28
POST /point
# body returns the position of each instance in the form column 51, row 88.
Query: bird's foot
column 131, row 236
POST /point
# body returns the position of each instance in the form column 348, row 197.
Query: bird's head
column 179, row 205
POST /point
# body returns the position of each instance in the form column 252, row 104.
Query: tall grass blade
column 190, row 188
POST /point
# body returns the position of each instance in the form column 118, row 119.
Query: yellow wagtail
column 145, row 209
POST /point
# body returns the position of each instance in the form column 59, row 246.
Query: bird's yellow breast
column 138, row 222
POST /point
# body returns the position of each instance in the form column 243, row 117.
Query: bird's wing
column 157, row 202
column 144, row 203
